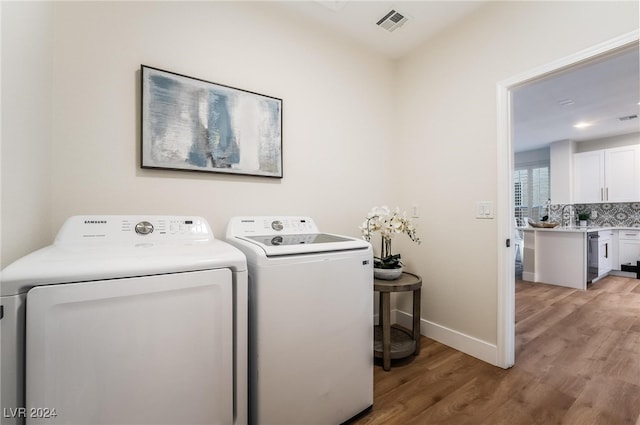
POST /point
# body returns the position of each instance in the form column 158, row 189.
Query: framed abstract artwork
column 196, row 125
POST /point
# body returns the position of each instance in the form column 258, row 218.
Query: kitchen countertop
column 576, row 229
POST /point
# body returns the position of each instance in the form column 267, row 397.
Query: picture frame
column 189, row 124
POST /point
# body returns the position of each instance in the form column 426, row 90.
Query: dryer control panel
column 123, row 228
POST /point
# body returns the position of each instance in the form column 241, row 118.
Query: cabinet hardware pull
column 602, row 194
column 606, row 191
column 606, row 250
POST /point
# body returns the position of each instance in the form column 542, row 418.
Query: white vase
column 387, row 274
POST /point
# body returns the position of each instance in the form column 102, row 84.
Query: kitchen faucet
column 571, row 217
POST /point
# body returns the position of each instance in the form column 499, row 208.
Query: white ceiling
column 357, row 20
column 598, row 92
column 601, row 91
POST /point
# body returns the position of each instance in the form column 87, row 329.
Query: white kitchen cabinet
column 628, row 246
column 604, row 253
column 622, row 174
column 608, row 175
column 588, row 177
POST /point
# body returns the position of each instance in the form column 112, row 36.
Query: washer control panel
column 271, row 225
column 120, row 228
column 144, row 228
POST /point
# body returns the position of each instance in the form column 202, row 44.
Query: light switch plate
column 484, row 209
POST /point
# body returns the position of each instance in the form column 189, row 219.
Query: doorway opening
column 506, row 201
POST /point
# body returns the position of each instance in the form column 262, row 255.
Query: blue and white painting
column 191, row 124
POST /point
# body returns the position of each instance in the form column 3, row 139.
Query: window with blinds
column 531, row 191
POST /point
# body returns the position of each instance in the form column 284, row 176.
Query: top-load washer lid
column 311, row 238
column 89, row 248
column 288, row 235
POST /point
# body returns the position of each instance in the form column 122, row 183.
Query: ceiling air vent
column 628, row 117
column 392, row 21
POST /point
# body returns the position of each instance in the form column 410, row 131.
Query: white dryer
column 310, row 321
column 126, row 320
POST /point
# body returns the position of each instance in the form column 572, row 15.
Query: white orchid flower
column 383, row 220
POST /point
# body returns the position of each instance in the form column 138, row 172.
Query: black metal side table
column 393, row 343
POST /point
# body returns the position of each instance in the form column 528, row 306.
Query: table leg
column 386, row 329
column 380, row 309
column 417, row 298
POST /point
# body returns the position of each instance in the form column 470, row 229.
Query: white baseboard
column 475, row 347
column 528, row 276
column 621, row 273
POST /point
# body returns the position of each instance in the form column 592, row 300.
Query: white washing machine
column 126, row 320
column 310, row 321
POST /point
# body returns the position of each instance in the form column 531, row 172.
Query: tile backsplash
column 607, row 215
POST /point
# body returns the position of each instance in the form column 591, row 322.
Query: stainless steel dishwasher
column 592, row 256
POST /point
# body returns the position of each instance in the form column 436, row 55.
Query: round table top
column 406, row 282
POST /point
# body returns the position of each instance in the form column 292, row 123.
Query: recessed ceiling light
column 582, row 124
column 566, row 102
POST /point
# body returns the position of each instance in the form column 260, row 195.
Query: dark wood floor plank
column 538, row 403
column 577, row 362
column 608, row 400
column 477, row 399
column 434, row 385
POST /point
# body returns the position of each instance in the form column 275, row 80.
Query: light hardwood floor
column 577, row 362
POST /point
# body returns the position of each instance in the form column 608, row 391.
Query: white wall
column 26, row 128
column 532, row 157
column 350, row 140
column 608, row 142
column 336, row 111
column 448, row 163
column 561, row 171
column 336, row 114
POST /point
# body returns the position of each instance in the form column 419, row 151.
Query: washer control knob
column 144, row 228
column 277, row 225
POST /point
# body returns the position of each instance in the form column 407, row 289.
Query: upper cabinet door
column 622, row 167
column 588, row 177
column 609, row 175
